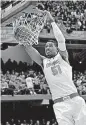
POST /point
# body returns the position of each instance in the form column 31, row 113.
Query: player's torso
column 58, row 74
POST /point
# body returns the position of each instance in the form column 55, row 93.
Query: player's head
column 51, row 49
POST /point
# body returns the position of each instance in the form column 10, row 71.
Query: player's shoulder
column 64, row 55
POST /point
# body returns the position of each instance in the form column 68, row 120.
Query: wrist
column 49, row 17
column 53, row 22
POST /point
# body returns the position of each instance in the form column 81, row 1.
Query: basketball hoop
column 28, row 32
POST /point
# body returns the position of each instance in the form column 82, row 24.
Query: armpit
column 64, row 55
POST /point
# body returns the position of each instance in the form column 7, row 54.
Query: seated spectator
column 12, row 121
column 22, row 78
column 31, row 122
column 37, row 122
column 36, row 82
column 43, row 85
column 48, row 123
column 43, row 122
column 5, row 90
column 7, row 123
column 18, row 122
column 7, row 75
column 45, row 89
column 24, row 122
column 4, row 83
column 80, row 82
column 53, row 122
column 29, row 83
column 12, row 84
column 83, row 90
column 13, row 76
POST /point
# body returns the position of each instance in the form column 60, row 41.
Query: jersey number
column 56, row 70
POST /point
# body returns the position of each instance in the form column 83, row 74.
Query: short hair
column 53, row 41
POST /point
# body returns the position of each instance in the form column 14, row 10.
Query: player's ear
column 57, row 49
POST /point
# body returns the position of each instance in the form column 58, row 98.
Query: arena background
column 37, row 108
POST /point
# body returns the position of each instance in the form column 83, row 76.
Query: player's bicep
column 64, row 55
column 34, row 54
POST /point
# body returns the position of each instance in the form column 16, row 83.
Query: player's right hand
column 49, row 17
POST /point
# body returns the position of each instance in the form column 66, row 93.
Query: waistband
column 65, row 98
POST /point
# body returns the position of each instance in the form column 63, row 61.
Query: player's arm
column 34, row 54
column 60, row 39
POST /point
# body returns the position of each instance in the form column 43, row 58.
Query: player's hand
column 49, row 17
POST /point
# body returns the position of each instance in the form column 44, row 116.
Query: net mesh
column 27, row 28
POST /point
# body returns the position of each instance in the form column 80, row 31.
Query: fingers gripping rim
column 28, row 32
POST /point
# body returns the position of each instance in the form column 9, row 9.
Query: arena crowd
column 23, row 82
column 71, row 14
column 80, row 81
column 21, row 79
column 30, row 122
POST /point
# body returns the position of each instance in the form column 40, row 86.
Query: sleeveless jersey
column 58, row 74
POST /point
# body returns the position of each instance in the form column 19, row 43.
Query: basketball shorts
column 71, row 112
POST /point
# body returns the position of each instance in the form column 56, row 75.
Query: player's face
column 50, row 49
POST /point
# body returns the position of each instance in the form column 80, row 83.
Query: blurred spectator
column 37, row 122
column 43, row 122
column 7, row 75
column 5, row 90
column 7, row 123
column 83, row 90
column 31, row 122
column 12, row 121
column 24, row 122
column 48, row 123
column 29, row 83
column 4, row 83
column 80, row 82
column 36, row 82
column 18, row 122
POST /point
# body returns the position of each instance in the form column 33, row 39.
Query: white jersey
column 29, row 82
column 58, row 74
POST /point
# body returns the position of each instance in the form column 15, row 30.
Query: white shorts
column 71, row 112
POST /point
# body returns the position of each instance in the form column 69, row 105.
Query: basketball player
column 69, row 108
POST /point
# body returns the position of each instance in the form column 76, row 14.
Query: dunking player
column 69, row 107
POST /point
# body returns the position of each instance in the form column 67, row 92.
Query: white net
column 27, row 28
